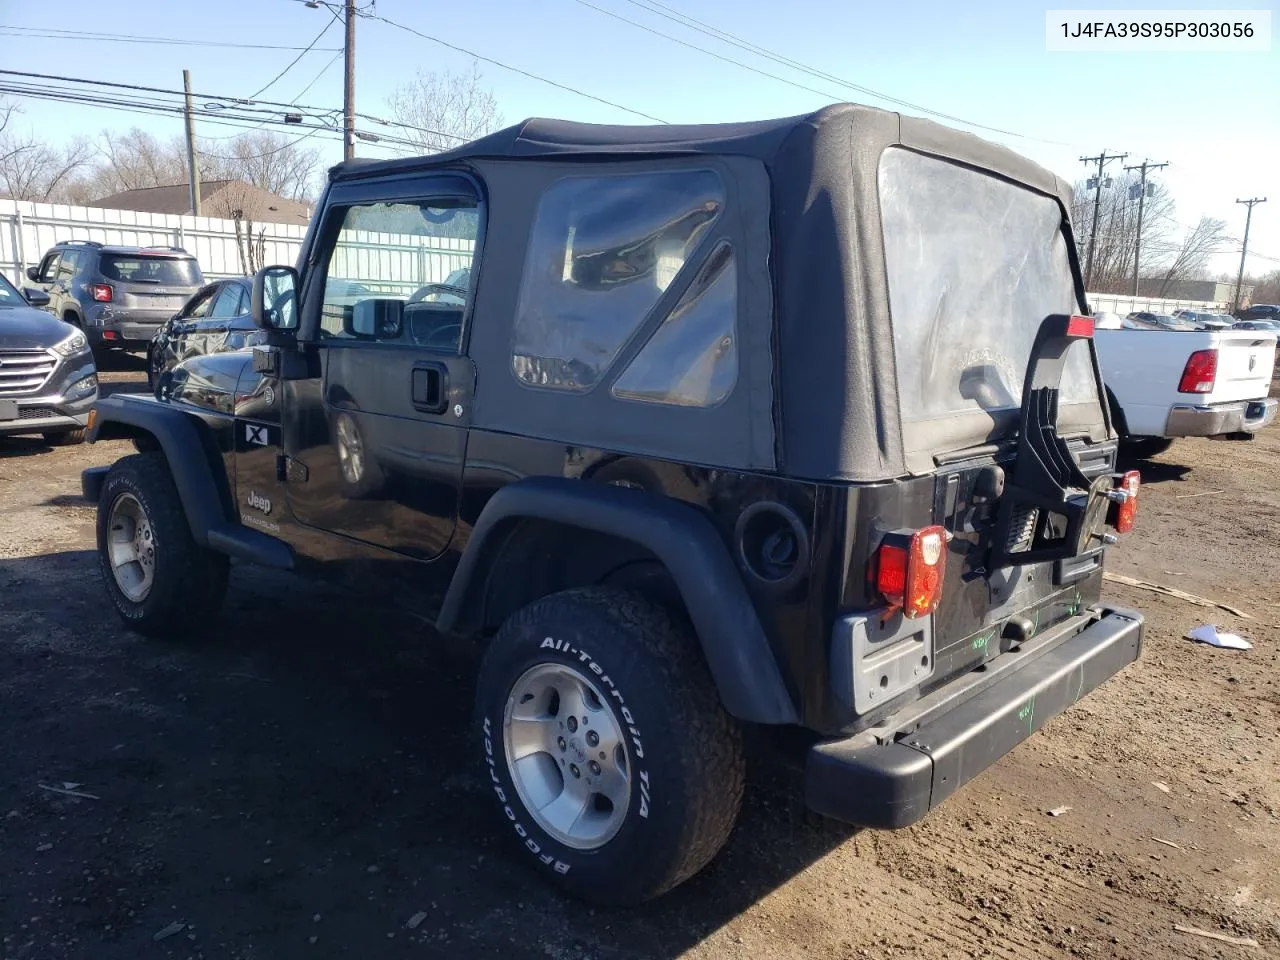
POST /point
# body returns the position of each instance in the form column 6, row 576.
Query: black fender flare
column 206, row 504
column 682, row 537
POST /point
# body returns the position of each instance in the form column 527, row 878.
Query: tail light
column 100, row 292
column 1127, row 508
column 910, row 569
column 1199, row 373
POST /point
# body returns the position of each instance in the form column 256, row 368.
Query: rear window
column 974, row 265
column 142, row 269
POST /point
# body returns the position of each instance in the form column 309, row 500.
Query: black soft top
column 818, row 396
column 762, row 139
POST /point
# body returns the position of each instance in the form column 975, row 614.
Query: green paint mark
column 980, row 643
column 1035, row 627
column 1027, row 712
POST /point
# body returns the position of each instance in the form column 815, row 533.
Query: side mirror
column 274, row 301
column 37, row 298
column 33, row 274
column 374, row 319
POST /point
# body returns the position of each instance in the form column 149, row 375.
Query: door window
column 227, row 303
column 199, row 307
column 401, row 273
column 68, row 264
column 47, row 268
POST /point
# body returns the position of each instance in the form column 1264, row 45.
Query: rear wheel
column 605, row 744
column 161, row 582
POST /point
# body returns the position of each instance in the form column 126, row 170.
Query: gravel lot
column 303, row 782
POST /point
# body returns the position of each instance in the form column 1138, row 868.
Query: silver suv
column 48, row 381
column 119, row 296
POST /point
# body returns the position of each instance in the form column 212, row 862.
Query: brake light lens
column 1199, row 373
column 910, row 570
column 1128, row 511
column 100, row 292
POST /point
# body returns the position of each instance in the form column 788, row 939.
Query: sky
column 1215, row 117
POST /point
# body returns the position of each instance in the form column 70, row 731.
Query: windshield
column 974, row 265
column 9, row 296
column 139, row 269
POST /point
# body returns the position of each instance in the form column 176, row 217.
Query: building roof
column 218, row 198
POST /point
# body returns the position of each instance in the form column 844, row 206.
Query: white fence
column 1115, row 303
column 386, row 263
column 29, row 229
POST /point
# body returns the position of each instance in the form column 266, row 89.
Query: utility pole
column 1101, row 160
column 193, row 158
column 349, row 86
column 1142, row 199
column 1244, row 247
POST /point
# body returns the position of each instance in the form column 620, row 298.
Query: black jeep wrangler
column 790, row 423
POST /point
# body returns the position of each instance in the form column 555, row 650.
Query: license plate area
column 8, row 410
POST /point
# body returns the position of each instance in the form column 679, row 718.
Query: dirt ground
column 305, row 782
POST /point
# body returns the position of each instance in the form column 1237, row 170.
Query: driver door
column 376, row 441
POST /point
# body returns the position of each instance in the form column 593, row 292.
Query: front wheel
column 161, row 582
column 606, row 746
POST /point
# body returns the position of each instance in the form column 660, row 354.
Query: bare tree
column 1118, row 230
column 275, row 162
column 1266, row 288
column 1191, row 259
column 33, row 170
column 137, row 159
column 439, row 110
column 245, row 205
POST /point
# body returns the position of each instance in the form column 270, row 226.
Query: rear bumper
column 1245, row 416
column 892, row 775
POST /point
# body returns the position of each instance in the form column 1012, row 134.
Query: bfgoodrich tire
column 161, row 582
column 605, row 745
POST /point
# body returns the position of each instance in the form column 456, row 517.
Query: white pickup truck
column 1165, row 384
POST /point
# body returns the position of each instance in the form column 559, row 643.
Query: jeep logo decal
column 258, row 502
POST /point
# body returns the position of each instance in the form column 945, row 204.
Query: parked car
column 48, row 381
column 1162, row 385
column 1107, row 320
column 215, row 320
column 1259, row 311
column 685, row 456
column 1145, row 320
column 1268, row 326
column 1202, row 320
column 117, row 296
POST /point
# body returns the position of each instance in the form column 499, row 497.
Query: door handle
column 430, row 388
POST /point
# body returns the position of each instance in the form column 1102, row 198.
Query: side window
column 68, row 264
column 692, row 359
column 401, row 273
column 48, row 267
column 199, row 307
column 227, row 303
column 602, row 252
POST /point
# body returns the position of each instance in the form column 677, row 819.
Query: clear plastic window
column 975, row 264
column 603, row 251
column 692, row 359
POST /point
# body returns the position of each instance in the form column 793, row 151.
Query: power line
column 302, row 93
column 295, row 60
column 724, row 36
column 245, row 102
column 517, row 70
column 54, row 33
